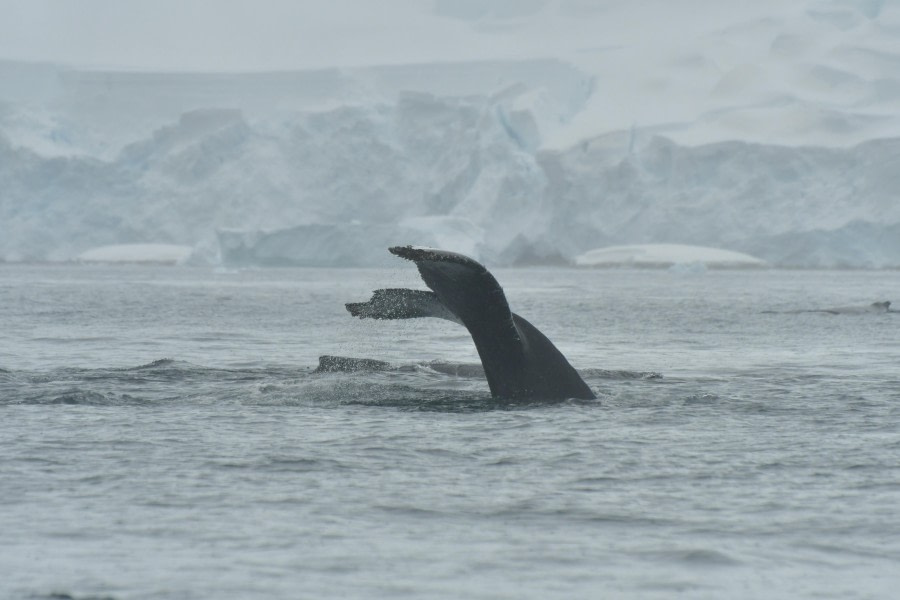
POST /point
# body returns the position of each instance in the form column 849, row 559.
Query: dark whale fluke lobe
column 519, row 361
column 399, row 303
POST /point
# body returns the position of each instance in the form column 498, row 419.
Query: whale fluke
column 519, row 361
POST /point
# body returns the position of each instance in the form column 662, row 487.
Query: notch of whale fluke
column 519, row 361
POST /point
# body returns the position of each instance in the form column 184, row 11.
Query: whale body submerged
column 519, row 361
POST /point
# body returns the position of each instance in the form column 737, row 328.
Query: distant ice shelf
column 666, row 255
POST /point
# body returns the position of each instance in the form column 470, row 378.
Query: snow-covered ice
column 665, row 255
column 138, row 253
column 516, row 132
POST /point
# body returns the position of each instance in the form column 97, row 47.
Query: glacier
column 768, row 130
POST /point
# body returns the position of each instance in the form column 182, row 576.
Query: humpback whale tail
column 519, row 361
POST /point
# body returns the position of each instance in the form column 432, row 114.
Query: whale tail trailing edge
column 519, row 361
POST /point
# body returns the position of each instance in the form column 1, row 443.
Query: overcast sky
column 246, row 34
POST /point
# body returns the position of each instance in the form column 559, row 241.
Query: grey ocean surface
column 163, row 436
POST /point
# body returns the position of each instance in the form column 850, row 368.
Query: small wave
column 81, row 397
column 156, row 364
column 171, row 370
column 620, row 374
column 700, row 557
column 472, row 370
column 73, row 340
column 407, row 398
column 76, row 397
column 706, row 557
column 596, row 480
column 299, row 464
column 410, row 511
column 67, row 596
column 287, row 464
column 410, row 398
column 165, row 368
column 344, row 364
column 701, row 399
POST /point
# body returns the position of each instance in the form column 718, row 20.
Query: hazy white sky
column 242, row 35
column 234, row 34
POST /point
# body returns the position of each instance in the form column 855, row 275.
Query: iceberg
column 666, row 255
column 164, row 254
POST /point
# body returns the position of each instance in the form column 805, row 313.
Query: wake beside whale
column 875, row 308
column 519, row 361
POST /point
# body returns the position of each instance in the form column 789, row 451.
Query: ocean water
column 163, row 435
